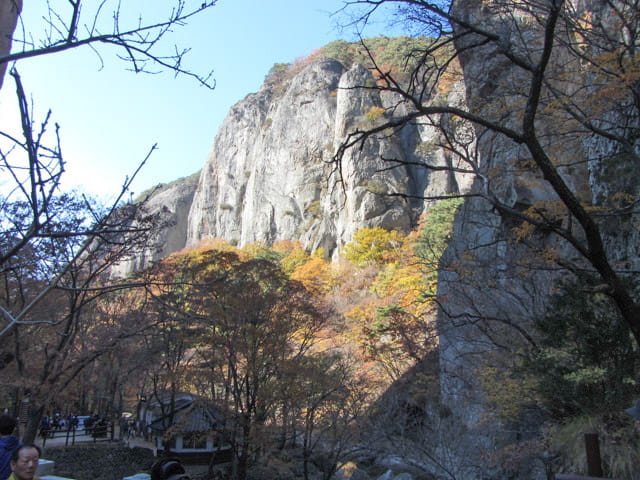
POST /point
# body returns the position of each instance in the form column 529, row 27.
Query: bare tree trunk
column 33, row 422
column 9, row 11
column 243, row 459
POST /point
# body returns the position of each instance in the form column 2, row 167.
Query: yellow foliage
column 375, row 113
column 319, row 253
column 296, row 257
column 369, row 245
column 395, row 327
column 362, row 313
column 507, row 392
column 315, row 275
column 254, row 249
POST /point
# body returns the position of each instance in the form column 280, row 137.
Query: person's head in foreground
column 168, row 469
column 7, row 425
column 24, row 462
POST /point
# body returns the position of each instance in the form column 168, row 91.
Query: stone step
column 45, row 467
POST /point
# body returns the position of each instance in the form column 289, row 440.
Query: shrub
column 375, row 113
column 587, row 361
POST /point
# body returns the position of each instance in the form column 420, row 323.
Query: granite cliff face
column 169, row 205
column 268, row 176
column 490, row 289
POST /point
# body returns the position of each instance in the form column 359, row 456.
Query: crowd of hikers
column 92, row 425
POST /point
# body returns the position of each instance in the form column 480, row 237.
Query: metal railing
column 94, row 433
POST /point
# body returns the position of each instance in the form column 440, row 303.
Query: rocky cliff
column 269, row 177
column 169, row 205
column 492, row 285
column 269, row 174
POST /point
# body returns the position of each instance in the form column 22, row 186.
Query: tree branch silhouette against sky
column 110, row 117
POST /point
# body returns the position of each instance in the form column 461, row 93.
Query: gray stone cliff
column 490, row 288
column 269, row 174
column 269, row 177
column 169, row 205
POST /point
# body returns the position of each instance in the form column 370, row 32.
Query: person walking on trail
column 24, row 463
column 44, row 426
column 8, row 443
column 635, row 413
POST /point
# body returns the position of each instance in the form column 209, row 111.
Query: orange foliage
column 388, row 318
column 315, row 275
column 382, row 319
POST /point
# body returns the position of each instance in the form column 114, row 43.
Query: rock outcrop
column 269, row 175
column 168, row 208
column 493, row 287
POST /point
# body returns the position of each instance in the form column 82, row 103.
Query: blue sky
column 110, row 117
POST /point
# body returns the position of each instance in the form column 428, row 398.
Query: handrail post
column 592, row 447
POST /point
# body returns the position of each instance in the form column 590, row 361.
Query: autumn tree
column 369, row 245
column 56, row 247
column 294, row 255
column 51, row 295
column 252, row 322
column 171, row 308
column 333, row 402
column 315, row 275
column 394, row 321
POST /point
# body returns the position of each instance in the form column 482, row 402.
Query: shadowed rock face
column 489, row 285
column 169, row 205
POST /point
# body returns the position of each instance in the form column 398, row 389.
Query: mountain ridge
column 269, row 175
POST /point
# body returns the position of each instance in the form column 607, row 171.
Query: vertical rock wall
column 269, row 174
column 491, row 286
